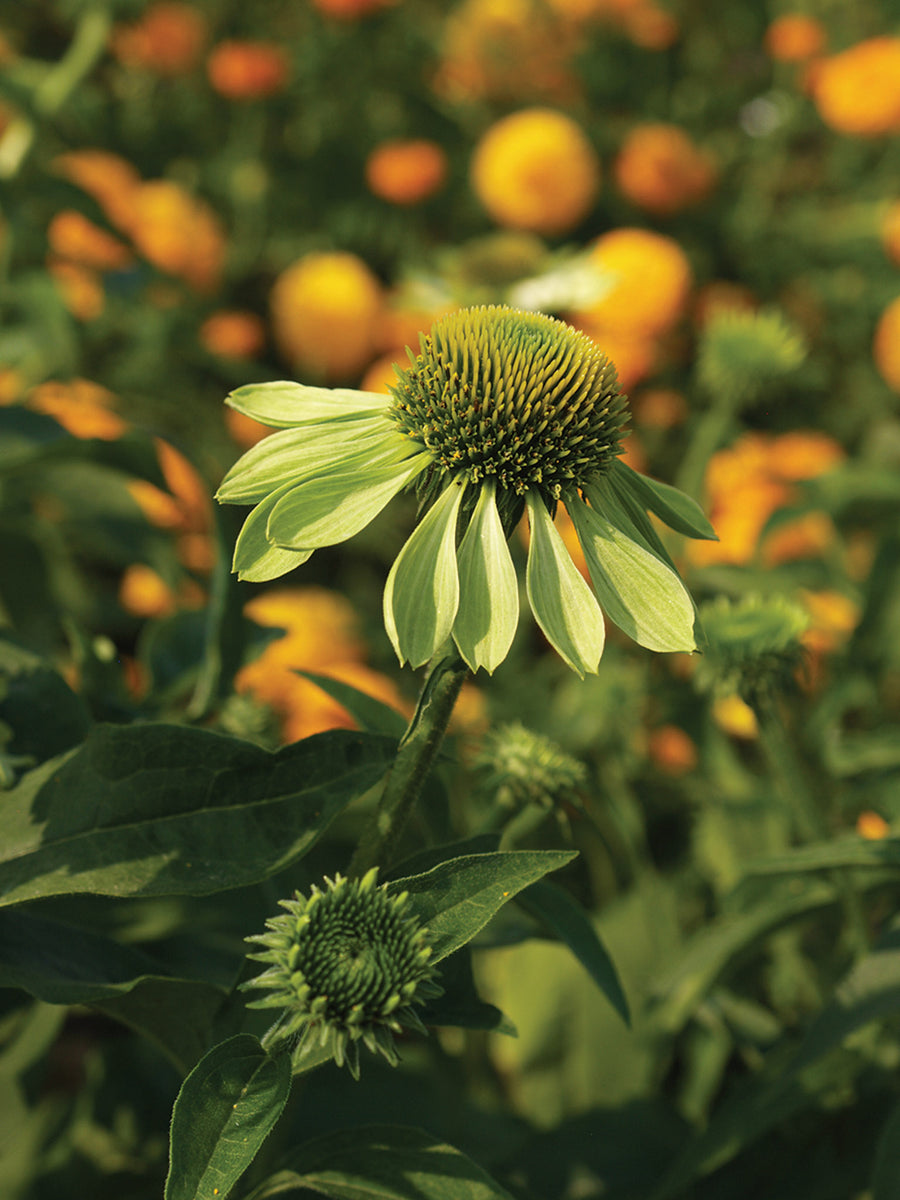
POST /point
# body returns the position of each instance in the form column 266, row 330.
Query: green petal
column 422, row 590
column 284, row 404
column 333, row 507
column 298, row 454
column 488, row 592
column 642, row 595
column 629, row 517
column 679, row 511
column 255, row 558
column 563, row 604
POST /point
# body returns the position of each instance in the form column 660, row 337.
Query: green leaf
column 459, row 1005
column 282, row 403
column 678, row 510
column 45, row 716
column 843, row 852
column 256, row 559
column 159, row 810
column 370, row 714
column 330, row 509
column 458, row 897
column 563, row 604
column 561, row 913
column 225, row 1110
column 642, row 595
column 421, row 595
column 886, row 1171
column 488, row 611
column 388, row 1162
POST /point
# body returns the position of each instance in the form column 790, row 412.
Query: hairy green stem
column 415, row 755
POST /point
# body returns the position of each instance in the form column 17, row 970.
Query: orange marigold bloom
column 651, row 28
column 380, row 375
column 672, row 750
column 248, row 70
column 794, row 37
column 178, row 233
column 872, row 826
column 144, row 593
column 649, row 280
column 74, row 237
column 833, row 615
column 81, row 406
column 233, row 333
column 634, row 353
column 108, row 178
column 886, row 345
column 858, row 90
column 804, row 454
column 80, row 288
column 326, row 309
column 406, row 170
column 168, row 39
column 186, row 504
column 536, row 170
column 806, row 536
column 661, row 170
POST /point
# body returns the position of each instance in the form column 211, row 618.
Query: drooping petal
column 256, row 559
column 298, row 454
column 488, row 592
column 645, row 598
column 678, row 510
column 622, row 510
column 563, row 604
column 284, row 404
column 422, row 590
column 333, row 507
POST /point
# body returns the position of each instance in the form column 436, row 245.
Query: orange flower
column 650, row 27
column 144, row 593
column 794, row 37
column 248, row 70
column 804, row 454
column 659, row 408
column 80, row 288
column 380, row 375
column 886, row 346
column 536, row 170
column 243, row 429
column 72, row 236
column 108, row 178
column 178, row 233
column 233, row 333
column 661, row 170
column 672, row 750
column 326, row 309
column 735, row 717
column 406, row 171
column 833, row 615
column 84, row 408
column 872, row 826
column 858, row 90
column 168, row 39
column 12, row 385
column 350, row 10
column 649, row 280
column 806, row 536
column 186, row 504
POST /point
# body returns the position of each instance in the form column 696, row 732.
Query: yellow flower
column 858, row 90
column 536, row 170
column 734, row 716
column 872, row 826
column 80, row 288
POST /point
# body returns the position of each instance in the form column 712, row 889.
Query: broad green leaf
column 433, row 856
column 459, row 1004
column 159, row 810
column 370, row 714
column 225, row 1110
column 382, row 1162
column 256, row 559
column 642, row 595
column 488, row 611
column 562, row 914
column 282, row 403
column 886, row 1170
column 295, row 455
column 843, row 852
column 422, row 590
column 563, row 604
column 458, row 897
column 328, row 510
column 678, row 510
column 43, row 713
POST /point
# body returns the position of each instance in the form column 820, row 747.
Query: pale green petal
column 642, row 595
column 256, row 559
column 678, row 510
column 488, row 592
column 563, row 604
column 622, row 510
column 295, row 455
column 333, row 507
column 422, row 590
column 283, row 404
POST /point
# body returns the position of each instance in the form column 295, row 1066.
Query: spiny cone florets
column 517, row 397
column 522, row 767
column 347, row 964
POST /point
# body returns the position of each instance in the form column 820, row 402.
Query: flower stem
column 415, row 754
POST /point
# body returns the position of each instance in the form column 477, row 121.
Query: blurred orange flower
column 168, row 39
column 735, row 717
column 872, row 826
column 247, row 70
column 833, row 617
column 72, row 236
column 144, row 593
column 82, row 407
column 243, row 429
column 178, row 233
column 326, row 310
column 794, row 37
column 536, row 170
column 670, row 749
column 661, row 170
column 233, row 333
column 108, row 178
column 886, row 345
column 659, row 408
column 80, row 288
column 406, row 170
column 858, row 90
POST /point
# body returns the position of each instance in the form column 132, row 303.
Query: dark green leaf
column 46, row 717
column 168, row 809
column 225, row 1110
column 459, row 1004
column 886, row 1172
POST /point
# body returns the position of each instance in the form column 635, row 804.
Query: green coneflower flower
column 751, row 646
column 521, row 767
column 347, row 966
column 502, row 412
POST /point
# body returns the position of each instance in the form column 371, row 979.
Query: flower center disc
column 517, row 396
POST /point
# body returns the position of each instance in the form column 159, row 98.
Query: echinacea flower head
column 346, row 965
column 501, row 413
column 751, row 646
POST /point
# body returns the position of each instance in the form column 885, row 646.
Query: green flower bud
column 750, row 646
column 521, row 767
column 742, row 354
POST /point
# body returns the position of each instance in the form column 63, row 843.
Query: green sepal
column 256, row 559
column 678, row 510
column 642, row 595
column 488, row 590
column 422, row 591
column 283, row 404
column 563, row 604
